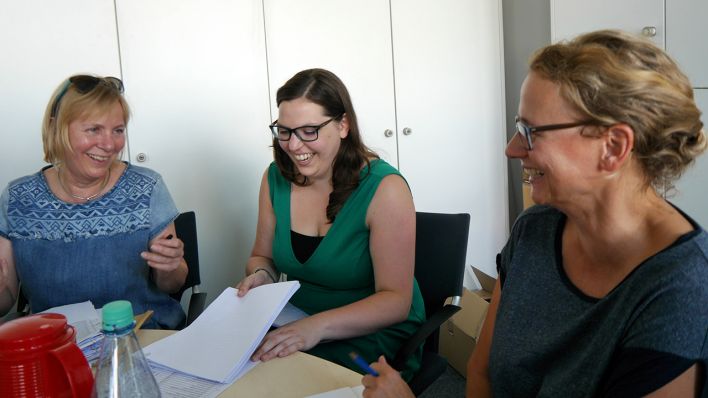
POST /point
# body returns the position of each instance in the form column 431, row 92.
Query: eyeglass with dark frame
column 303, row 133
column 525, row 130
column 84, row 84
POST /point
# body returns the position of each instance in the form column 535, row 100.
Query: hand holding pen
column 362, row 364
column 386, row 384
column 164, row 256
column 164, row 253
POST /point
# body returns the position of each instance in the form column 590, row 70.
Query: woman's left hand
column 388, row 384
column 300, row 335
column 164, row 254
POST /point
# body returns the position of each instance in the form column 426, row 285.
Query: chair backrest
column 186, row 227
column 440, row 253
column 23, row 307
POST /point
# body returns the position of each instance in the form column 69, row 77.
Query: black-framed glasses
column 526, row 131
column 84, row 84
column 303, row 133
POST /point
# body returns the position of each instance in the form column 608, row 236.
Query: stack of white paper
column 83, row 317
column 218, row 345
column 86, row 320
column 346, row 392
column 289, row 314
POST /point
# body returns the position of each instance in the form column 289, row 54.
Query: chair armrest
column 432, row 366
column 197, row 301
column 430, row 326
column 12, row 316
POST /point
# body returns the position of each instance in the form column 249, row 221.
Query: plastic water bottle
column 122, row 370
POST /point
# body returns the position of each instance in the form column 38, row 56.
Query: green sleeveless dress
column 340, row 271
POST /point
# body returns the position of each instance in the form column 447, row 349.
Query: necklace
column 84, row 198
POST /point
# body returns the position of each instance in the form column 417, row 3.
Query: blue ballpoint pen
column 362, row 364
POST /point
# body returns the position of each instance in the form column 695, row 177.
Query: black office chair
column 440, row 253
column 186, row 227
column 23, row 307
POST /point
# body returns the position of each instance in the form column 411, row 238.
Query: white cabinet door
column 684, row 41
column 195, row 76
column 686, row 38
column 572, row 17
column 444, row 60
column 352, row 39
column 448, row 60
column 44, row 42
column 692, row 189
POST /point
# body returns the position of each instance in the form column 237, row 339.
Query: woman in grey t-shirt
column 603, row 288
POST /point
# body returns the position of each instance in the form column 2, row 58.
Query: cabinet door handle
column 649, row 31
column 407, row 131
column 141, row 157
column 388, row 133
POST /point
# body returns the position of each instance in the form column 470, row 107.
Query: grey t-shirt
column 551, row 340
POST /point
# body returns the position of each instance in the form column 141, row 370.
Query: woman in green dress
column 341, row 221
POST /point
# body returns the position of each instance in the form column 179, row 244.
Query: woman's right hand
column 256, row 279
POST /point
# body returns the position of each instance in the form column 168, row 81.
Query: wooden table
column 297, row 375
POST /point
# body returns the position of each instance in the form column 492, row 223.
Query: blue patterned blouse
column 67, row 253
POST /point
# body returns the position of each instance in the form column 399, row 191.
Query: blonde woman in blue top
column 90, row 227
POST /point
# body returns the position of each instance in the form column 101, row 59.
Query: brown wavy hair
column 325, row 89
column 612, row 77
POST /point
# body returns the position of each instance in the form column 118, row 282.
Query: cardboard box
column 459, row 334
column 487, row 282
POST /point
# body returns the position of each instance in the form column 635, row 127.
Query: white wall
column 527, row 27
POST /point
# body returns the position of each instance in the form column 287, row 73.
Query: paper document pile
column 346, row 392
column 218, row 345
column 289, row 314
column 86, row 320
column 83, row 317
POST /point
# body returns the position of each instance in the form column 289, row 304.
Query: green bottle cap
column 117, row 315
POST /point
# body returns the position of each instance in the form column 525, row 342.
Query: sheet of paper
column 174, row 384
column 290, row 313
column 218, row 344
column 346, row 392
column 83, row 317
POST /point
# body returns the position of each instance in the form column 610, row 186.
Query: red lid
column 34, row 333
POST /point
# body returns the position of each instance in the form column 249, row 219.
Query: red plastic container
column 39, row 358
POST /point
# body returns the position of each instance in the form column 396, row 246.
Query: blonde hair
column 68, row 104
column 612, row 77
